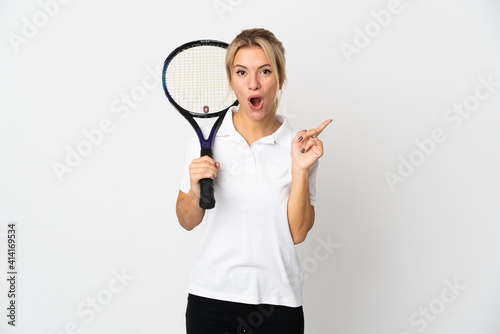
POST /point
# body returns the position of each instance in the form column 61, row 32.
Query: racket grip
column 207, row 198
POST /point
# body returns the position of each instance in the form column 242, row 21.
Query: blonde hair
column 272, row 47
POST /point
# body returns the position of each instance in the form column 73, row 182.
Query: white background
column 395, row 248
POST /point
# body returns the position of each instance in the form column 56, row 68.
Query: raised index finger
column 322, row 126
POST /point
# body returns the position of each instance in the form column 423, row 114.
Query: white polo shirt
column 247, row 254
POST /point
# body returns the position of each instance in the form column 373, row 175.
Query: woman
column 246, row 275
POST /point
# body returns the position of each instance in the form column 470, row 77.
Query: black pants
column 212, row 316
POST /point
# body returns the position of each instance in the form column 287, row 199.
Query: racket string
column 196, row 78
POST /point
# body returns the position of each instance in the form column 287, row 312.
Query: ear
column 281, row 82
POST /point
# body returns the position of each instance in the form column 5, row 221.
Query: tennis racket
column 195, row 82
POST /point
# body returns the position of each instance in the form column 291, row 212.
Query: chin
column 258, row 115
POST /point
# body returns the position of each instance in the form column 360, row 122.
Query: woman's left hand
column 307, row 148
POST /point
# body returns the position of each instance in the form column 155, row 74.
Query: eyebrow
column 246, row 67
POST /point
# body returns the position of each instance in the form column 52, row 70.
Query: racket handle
column 207, row 198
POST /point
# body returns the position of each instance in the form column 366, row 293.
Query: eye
column 240, row 73
column 266, row 71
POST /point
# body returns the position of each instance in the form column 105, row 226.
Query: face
column 254, row 83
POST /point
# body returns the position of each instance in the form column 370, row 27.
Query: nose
column 253, row 82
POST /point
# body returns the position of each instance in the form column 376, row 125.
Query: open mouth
column 255, row 102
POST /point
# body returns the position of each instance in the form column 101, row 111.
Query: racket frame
column 207, row 200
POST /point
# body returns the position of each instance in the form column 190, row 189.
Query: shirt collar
column 282, row 136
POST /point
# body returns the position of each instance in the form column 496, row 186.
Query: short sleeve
column 312, row 183
column 192, row 152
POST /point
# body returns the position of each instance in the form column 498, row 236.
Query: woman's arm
column 187, row 207
column 306, row 150
column 300, row 211
column 188, row 210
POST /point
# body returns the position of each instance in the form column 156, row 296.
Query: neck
column 252, row 130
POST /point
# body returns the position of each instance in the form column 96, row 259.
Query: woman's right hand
column 201, row 168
